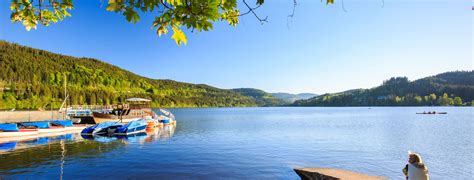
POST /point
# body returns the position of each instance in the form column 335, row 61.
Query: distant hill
column 450, row 88
column 262, row 98
column 290, row 98
column 32, row 78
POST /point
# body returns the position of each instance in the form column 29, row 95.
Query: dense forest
column 291, row 98
column 35, row 79
column 446, row 89
column 262, row 98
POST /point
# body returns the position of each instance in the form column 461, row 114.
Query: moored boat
column 132, row 127
column 166, row 117
column 12, row 130
column 68, row 125
column 43, row 127
column 136, row 109
column 101, row 128
column 434, row 112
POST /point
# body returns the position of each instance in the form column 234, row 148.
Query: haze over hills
column 291, row 98
column 450, row 88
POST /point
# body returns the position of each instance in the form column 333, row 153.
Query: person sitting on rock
column 415, row 169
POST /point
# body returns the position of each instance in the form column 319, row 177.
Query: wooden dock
column 27, row 116
column 333, row 174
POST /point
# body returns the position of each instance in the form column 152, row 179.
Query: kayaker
column 415, row 169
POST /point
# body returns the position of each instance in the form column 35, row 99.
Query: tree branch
column 291, row 15
column 255, row 14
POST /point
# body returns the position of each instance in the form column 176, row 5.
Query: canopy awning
column 138, row 100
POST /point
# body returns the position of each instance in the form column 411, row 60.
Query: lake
column 258, row 143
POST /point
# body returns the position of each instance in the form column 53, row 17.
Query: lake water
column 258, row 143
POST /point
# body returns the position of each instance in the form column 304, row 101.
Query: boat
column 42, row 126
column 153, row 123
column 166, row 117
column 12, row 130
column 132, row 127
column 68, row 125
column 136, row 109
column 101, row 128
column 434, row 112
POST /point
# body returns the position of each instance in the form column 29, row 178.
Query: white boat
column 68, row 125
column 11, row 130
column 51, row 130
column 75, row 128
column 22, row 132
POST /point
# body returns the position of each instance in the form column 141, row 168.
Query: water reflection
column 151, row 135
column 30, row 154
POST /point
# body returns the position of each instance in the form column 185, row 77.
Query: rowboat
column 11, row 130
column 43, row 127
column 68, row 125
column 432, row 112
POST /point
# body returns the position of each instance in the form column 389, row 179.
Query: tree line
column 36, row 79
column 446, row 89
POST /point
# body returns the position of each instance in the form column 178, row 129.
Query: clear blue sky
column 322, row 49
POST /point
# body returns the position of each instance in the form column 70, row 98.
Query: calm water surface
column 258, row 143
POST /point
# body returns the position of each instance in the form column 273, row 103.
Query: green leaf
column 161, row 30
column 13, row 5
column 260, row 2
column 131, row 15
column 179, row 36
column 232, row 17
column 175, row 2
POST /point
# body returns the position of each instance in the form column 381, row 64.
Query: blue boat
column 43, row 126
column 12, row 130
column 40, row 125
column 165, row 116
column 9, row 128
column 65, row 123
column 132, row 127
column 101, row 128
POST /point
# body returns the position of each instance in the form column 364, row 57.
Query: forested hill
column 450, row 88
column 290, row 98
column 262, row 98
column 32, row 79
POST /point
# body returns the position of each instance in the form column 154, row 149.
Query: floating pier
column 333, row 174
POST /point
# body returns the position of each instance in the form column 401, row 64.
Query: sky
column 322, row 49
